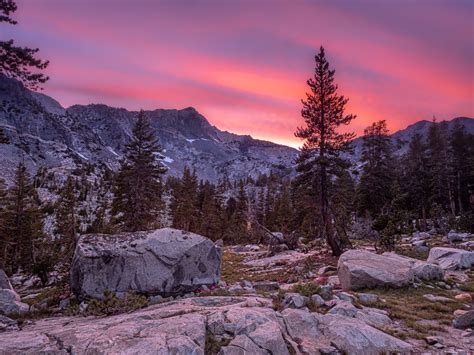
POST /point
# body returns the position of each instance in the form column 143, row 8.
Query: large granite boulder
column 451, row 258
column 10, row 303
column 359, row 269
column 421, row 269
column 165, row 261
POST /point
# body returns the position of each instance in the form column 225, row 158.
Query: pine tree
column 19, row 62
column 209, row 220
column 66, row 220
column 184, row 202
column 323, row 113
column 375, row 186
column 415, row 178
column 236, row 221
column 4, row 237
column 440, row 186
column 137, row 199
column 284, row 210
column 461, row 150
column 343, row 201
column 305, row 196
column 23, row 223
column 240, row 220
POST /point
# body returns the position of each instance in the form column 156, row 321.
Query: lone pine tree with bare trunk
column 323, row 113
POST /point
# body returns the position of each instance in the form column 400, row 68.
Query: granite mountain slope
column 44, row 134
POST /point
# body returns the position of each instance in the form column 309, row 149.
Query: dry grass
column 409, row 305
column 234, row 270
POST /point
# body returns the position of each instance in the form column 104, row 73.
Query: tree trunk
column 460, row 209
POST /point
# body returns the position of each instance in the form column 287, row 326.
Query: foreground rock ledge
column 165, row 261
column 183, row 327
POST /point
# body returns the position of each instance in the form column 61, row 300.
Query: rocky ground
column 288, row 303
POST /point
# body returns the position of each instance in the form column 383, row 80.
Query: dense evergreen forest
column 430, row 186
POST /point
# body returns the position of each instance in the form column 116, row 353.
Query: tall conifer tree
column 378, row 175
column 137, row 199
column 323, row 113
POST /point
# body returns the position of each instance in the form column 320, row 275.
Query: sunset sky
column 244, row 64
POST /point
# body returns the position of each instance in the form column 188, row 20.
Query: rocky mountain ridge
column 44, row 134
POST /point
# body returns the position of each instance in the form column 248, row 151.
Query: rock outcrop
column 358, row 269
column 451, row 258
column 4, row 281
column 241, row 325
column 165, row 261
column 353, row 336
column 10, row 302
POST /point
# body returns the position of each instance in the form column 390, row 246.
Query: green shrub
column 111, row 304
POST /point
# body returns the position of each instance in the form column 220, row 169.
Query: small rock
column 7, row 323
column 331, row 303
column 464, row 297
column 434, row 298
column 344, row 296
column 222, row 284
column 334, row 281
column 432, row 340
column 155, row 299
column 325, row 269
column 419, row 243
column 439, row 346
column 326, row 292
column 344, row 308
column 467, row 333
column 295, row 300
column 367, row 297
column 63, row 304
column 83, row 307
column 465, row 320
column 266, row 286
column 317, row 299
column 457, row 237
column 246, row 284
column 328, row 350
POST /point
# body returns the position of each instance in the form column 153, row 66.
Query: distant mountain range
column 402, row 138
column 44, row 134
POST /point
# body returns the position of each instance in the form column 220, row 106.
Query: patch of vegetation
column 232, row 267
column 111, row 304
column 469, row 285
column 306, row 289
column 216, row 292
column 52, row 295
column 213, row 344
column 233, row 270
column 409, row 306
column 278, row 301
column 412, row 253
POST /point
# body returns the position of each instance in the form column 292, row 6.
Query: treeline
column 430, row 186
